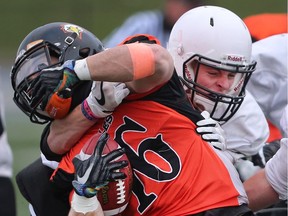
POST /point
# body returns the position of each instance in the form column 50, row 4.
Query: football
column 115, row 196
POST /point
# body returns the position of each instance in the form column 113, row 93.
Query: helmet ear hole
column 84, row 52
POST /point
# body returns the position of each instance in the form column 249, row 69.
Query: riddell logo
column 239, row 85
column 235, row 58
column 187, row 73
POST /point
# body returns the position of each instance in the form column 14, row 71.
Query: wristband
column 83, row 205
column 87, row 112
column 82, row 70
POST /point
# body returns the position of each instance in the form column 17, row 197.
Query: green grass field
column 101, row 17
column 24, row 140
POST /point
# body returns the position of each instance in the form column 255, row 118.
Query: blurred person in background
column 154, row 22
column 7, row 193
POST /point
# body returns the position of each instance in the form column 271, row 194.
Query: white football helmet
column 218, row 38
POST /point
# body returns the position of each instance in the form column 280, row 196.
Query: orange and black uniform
column 175, row 171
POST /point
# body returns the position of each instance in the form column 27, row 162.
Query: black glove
column 270, row 149
column 95, row 172
column 57, row 80
column 257, row 160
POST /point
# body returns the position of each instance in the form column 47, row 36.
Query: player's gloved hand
column 95, row 172
column 52, row 88
column 103, row 99
column 211, row 131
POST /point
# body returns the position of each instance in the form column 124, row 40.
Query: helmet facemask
column 27, row 67
column 221, row 105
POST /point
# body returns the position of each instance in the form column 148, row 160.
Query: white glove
column 103, row 99
column 211, row 131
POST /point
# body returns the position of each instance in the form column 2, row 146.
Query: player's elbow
column 163, row 63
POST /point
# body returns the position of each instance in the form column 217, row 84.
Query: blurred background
column 100, row 17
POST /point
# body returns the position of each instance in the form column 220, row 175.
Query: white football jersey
column 276, row 167
column 276, row 170
column 247, row 130
column 269, row 82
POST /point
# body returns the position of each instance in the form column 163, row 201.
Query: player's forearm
column 141, row 66
column 64, row 133
column 259, row 191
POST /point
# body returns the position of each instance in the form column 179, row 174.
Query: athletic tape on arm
column 82, row 70
column 143, row 60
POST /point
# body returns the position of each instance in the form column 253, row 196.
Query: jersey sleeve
column 276, row 170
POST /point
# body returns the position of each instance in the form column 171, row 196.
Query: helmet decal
column 73, row 28
column 238, row 87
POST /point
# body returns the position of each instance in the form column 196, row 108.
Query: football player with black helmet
column 49, row 46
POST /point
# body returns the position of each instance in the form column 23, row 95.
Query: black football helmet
column 48, row 46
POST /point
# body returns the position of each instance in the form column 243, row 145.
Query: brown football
column 115, row 196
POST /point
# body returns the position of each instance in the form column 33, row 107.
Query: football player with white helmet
column 203, row 50
column 244, row 136
column 212, row 57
